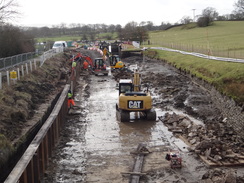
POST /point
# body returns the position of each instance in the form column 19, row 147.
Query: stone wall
column 233, row 113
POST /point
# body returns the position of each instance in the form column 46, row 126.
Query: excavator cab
column 125, row 86
column 115, row 62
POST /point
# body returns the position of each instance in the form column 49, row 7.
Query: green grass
column 63, row 38
column 223, row 38
column 101, row 36
column 227, row 77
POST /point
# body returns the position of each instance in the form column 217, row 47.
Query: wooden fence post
column 0, row 80
column 30, row 66
column 22, row 70
column 18, row 75
column 26, row 66
column 8, row 81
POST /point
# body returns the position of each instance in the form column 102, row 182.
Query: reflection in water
column 140, row 131
column 142, row 127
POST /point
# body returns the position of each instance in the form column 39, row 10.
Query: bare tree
column 142, row 23
column 133, row 32
column 15, row 41
column 8, row 10
column 186, row 20
column 111, row 28
column 239, row 10
column 211, row 13
column 149, row 25
column 239, row 5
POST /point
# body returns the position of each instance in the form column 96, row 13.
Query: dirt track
column 96, row 147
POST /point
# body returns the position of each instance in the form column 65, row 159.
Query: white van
column 58, row 44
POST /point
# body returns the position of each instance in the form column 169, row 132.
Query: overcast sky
column 54, row 12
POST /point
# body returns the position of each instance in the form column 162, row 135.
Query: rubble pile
column 164, row 82
column 219, row 175
column 216, row 142
column 122, row 74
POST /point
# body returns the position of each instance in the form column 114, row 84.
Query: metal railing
column 48, row 54
column 13, row 61
column 201, row 55
column 9, row 62
column 23, row 62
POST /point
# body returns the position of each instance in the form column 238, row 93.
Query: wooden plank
column 137, row 168
column 134, row 173
column 141, row 152
column 221, row 163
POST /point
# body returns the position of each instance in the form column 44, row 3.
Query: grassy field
column 223, row 38
column 63, row 38
column 227, row 77
column 102, row 36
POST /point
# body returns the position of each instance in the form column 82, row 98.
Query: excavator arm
column 137, row 81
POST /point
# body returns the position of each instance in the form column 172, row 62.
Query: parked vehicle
column 58, row 44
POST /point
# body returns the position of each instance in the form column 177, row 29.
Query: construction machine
column 115, row 48
column 89, row 60
column 132, row 99
column 99, row 67
column 103, row 45
column 115, row 62
column 175, row 159
column 115, row 56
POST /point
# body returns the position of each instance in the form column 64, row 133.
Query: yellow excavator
column 132, row 99
column 115, row 62
column 115, row 56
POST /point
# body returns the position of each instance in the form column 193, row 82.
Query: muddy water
column 96, row 147
column 108, row 141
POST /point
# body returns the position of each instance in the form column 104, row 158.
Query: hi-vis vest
column 74, row 64
column 70, row 95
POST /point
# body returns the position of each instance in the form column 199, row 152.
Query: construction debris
column 219, row 175
column 215, row 147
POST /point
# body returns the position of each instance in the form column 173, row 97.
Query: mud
column 96, row 147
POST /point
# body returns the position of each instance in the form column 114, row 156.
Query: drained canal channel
column 95, row 146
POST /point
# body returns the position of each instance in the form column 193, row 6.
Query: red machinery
column 89, row 60
column 77, row 57
column 100, row 67
column 175, row 159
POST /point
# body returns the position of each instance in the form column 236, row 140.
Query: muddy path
column 96, row 147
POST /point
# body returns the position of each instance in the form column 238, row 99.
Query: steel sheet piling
column 32, row 165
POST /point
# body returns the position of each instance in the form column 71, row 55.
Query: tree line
column 16, row 40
